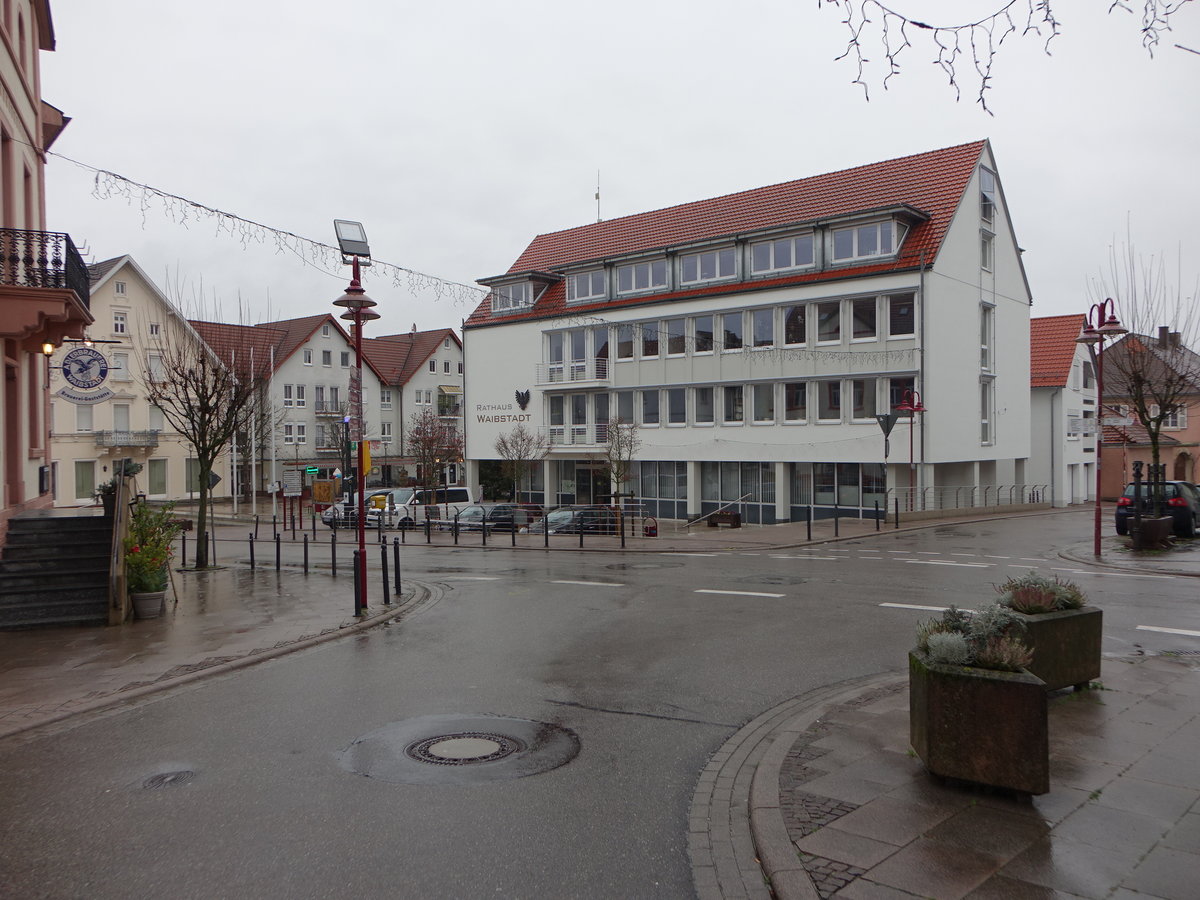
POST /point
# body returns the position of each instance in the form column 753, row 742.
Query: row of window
column 327, row 435
column 327, row 357
column 156, row 477
column 85, row 417
column 794, row 325
column 823, row 484
column 326, row 398
column 832, row 401
column 446, row 365
column 121, row 319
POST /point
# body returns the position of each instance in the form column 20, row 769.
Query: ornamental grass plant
column 987, row 638
column 148, row 549
column 1033, row 594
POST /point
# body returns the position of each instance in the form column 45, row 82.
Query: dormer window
column 711, row 265
column 643, row 276
column 783, row 253
column 512, row 296
column 867, row 241
column 586, row 286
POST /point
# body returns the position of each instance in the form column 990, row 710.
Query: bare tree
column 971, row 48
column 432, row 443
column 1152, row 367
column 208, row 394
column 618, row 452
column 519, row 450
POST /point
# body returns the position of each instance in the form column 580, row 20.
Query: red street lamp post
column 1096, row 327
column 910, row 403
column 352, row 240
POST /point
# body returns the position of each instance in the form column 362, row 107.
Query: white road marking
column 472, row 577
column 897, row 551
column 1032, row 559
column 914, row 606
column 946, row 562
column 805, row 557
column 963, row 554
column 1168, row 630
column 1109, row 574
column 681, row 553
column 739, row 593
column 590, row 583
column 931, row 552
column 989, row 556
column 1019, row 566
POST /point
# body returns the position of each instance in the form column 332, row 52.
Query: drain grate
column 464, row 748
column 168, row 779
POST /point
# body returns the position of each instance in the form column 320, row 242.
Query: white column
column 693, row 488
column 783, row 492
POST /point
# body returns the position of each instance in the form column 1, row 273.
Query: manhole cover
column 448, row 749
column 168, row 779
column 464, row 749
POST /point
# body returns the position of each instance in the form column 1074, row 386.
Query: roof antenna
column 598, row 219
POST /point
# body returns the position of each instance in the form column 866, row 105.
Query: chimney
column 1176, row 340
column 1163, row 332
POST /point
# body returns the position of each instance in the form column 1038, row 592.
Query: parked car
column 574, row 519
column 1181, row 501
column 345, row 515
column 499, row 516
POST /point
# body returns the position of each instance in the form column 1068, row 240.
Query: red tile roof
column 238, row 344
column 399, row 356
column 932, row 182
column 1052, row 349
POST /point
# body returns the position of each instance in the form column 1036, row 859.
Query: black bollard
column 808, row 522
column 383, row 568
column 581, row 533
column 396, row 561
column 876, row 515
column 306, row 553
column 455, row 527
column 256, row 527
column 428, row 530
column 546, row 533
column 251, row 536
column 513, row 530
column 212, row 559
column 897, row 525
column 483, row 526
column 314, row 523
column 333, row 552
column 358, row 604
column 278, row 547
column 183, row 549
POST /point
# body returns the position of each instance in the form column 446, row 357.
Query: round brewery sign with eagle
column 85, row 368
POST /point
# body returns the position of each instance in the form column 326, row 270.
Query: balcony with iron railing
column 575, row 435
column 572, row 371
column 42, row 259
column 126, row 438
column 330, row 408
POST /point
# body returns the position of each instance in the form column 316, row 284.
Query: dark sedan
column 498, row 516
column 1180, row 501
column 576, row 519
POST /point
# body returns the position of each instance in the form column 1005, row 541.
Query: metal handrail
column 705, row 516
column 118, row 597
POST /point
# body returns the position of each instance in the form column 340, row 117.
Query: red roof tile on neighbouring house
column 401, row 355
column 1052, row 349
column 931, row 182
column 237, row 345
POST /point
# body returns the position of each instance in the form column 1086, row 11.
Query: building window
column 710, row 265
column 301, row 437
column 676, row 341
column 460, row 368
column 118, row 370
column 643, row 276
column 863, row 315
column 1177, row 418
column 785, row 253
column 385, row 432
column 308, row 357
column 446, row 343
column 119, row 288
column 83, row 417
column 157, row 477
column 865, row 241
column 419, row 395
column 385, row 398
column 829, row 322
column 625, row 407
column 586, row 286
column 734, row 412
column 649, row 407
column 327, row 357
column 901, row 315
column 650, row 339
column 677, row 406
column 624, row 342
column 288, row 436
column 429, row 396
column 85, row 478
column 986, row 250
column 287, row 395
column 987, row 196
column 795, row 401
column 345, row 359
column 446, row 367
column 512, row 296
column 764, row 403
column 155, row 329
column 703, row 326
column 897, row 388
column 795, row 324
column 155, row 371
column 829, row 402
column 763, row 323
column 157, row 419
column 863, row 390
column 120, row 323
column 704, row 405
column 732, row 325
column 324, row 331
column 986, row 319
column 986, row 411
column 300, row 395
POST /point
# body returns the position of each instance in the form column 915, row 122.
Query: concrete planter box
column 1066, row 646
column 979, row 725
column 1155, row 534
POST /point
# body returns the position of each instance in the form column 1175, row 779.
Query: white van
column 411, row 506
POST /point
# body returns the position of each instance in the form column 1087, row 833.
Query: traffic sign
column 310, row 470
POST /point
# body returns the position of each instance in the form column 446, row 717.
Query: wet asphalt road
column 649, row 674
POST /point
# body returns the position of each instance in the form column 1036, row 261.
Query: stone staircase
column 54, row 571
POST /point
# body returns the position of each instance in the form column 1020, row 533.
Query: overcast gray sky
column 457, row 131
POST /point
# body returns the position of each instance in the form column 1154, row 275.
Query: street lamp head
column 910, row 402
column 1088, row 335
column 361, row 314
column 48, row 348
column 352, row 241
column 1112, row 327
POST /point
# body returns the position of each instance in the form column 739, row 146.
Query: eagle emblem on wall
column 522, row 399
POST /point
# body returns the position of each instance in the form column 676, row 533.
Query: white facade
column 777, row 408
column 133, row 319
column 1064, row 445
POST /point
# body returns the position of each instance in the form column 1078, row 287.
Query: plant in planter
column 106, row 491
column 1063, row 633
column 147, row 555
column 975, row 712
